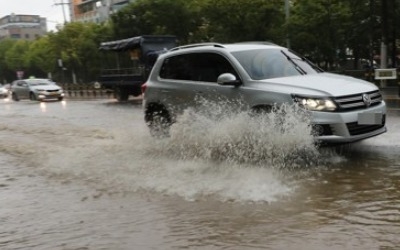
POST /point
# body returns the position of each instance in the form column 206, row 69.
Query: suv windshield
column 273, row 63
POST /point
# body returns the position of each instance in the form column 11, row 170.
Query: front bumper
column 344, row 127
column 49, row 96
column 4, row 94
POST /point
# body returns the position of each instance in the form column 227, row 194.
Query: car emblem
column 366, row 99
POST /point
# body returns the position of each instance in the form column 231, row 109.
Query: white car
column 3, row 91
column 36, row 89
column 343, row 109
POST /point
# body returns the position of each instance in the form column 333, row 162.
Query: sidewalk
column 391, row 95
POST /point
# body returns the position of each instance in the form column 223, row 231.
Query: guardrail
column 85, row 91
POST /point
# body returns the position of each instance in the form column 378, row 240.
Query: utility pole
column 394, row 48
column 384, row 35
column 287, row 13
column 63, row 9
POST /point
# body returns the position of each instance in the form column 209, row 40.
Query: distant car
column 4, row 92
column 36, row 90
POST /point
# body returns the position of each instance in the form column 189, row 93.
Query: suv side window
column 205, row 67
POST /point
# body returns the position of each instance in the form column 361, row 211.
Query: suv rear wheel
column 158, row 120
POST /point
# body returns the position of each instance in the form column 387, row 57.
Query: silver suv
column 262, row 75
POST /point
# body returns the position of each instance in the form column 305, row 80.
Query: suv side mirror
column 228, row 79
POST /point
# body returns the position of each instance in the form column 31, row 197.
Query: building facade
column 95, row 11
column 26, row 27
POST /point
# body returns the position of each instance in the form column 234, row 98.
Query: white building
column 27, row 27
column 96, row 11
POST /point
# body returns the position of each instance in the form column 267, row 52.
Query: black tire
column 121, row 94
column 159, row 122
column 14, row 97
column 136, row 92
column 32, row 97
column 260, row 110
column 60, row 98
column 265, row 110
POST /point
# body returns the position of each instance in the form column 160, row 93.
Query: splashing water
column 217, row 132
column 215, row 150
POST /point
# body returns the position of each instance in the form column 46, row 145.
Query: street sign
column 385, row 74
column 20, row 74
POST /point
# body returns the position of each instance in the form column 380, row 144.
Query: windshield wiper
column 312, row 64
column 296, row 66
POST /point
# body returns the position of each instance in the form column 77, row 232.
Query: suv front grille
column 356, row 129
column 351, row 102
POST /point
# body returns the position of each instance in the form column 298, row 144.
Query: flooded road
column 87, row 175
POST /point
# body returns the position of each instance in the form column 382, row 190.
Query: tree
column 41, row 57
column 242, row 20
column 156, row 17
column 6, row 74
column 15, row 56
column 318, row 29
column 77, row 47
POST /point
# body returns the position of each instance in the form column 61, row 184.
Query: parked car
column 4, row 91
column 262, row 75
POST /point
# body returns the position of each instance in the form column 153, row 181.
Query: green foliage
column 15, row 56
column 77, row 46
column 325, row 30
column 6, row 73
column 317, row 27
column 41, row 56
column 241, row 20
column 321, row 29
column 156, row 17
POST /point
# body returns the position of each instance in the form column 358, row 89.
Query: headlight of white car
column 315, row 104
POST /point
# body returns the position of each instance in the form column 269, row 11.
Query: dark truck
column 128, row 62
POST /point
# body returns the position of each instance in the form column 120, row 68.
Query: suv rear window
column 204, row 67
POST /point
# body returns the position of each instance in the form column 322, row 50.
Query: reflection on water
column 90, row 177
column 43, row 107
column 64, row 103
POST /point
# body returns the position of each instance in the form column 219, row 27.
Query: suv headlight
column 315, row 104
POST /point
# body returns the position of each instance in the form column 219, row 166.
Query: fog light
column 317, row 130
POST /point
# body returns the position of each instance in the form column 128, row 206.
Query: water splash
column 215, row 150
column 215, row 131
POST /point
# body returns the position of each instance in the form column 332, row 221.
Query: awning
column 137, row 42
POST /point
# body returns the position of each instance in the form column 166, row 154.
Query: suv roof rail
column 197, row 45
column 258, row 42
